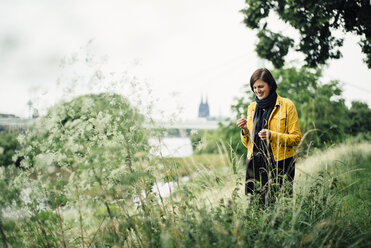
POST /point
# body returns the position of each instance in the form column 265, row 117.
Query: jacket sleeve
column 293, row 135
column 244, row 139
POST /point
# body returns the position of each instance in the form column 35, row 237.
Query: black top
column 262, row 113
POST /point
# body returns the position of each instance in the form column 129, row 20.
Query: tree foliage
column 273, row 46
column 320, row 107
column 316, row 22
column 360, row 117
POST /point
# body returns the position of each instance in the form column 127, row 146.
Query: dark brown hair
column 265, row 75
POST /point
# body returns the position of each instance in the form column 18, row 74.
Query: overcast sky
column 182, row 49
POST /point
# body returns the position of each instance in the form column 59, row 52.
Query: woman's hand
column 242, row 123
column 264, row 134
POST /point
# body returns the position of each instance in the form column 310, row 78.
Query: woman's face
column 261, row 89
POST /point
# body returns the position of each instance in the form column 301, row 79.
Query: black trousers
column 265, row 176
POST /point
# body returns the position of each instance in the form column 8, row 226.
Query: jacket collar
column 279, row 100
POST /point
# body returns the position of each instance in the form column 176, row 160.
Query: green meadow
column 330, row 207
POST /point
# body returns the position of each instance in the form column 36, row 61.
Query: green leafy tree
column 315, row 21
column 360, row 118
column 327, row 114
column 320, row 105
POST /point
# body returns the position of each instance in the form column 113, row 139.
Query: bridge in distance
column 198, row 124
column 191, row 124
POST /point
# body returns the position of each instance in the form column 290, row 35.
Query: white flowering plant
column 88, row 156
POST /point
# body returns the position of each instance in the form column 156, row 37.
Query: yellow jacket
column 283, row 125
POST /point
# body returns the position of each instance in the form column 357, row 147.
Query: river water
column 172, row 147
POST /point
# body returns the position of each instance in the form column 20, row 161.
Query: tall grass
column 330, row 207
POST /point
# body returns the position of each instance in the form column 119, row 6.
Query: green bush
column 84, row 154
column 360, row 118
column 90, row 127
column 205, row 141
column 8, row 146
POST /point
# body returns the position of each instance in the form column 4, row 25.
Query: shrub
column 8, row 146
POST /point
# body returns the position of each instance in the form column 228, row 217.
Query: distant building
column 203, row 109
column 8, row 116
column 10, row 121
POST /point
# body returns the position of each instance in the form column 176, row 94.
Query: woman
column 270, row 132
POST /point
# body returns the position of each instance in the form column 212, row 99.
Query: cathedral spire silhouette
column 203, row 109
